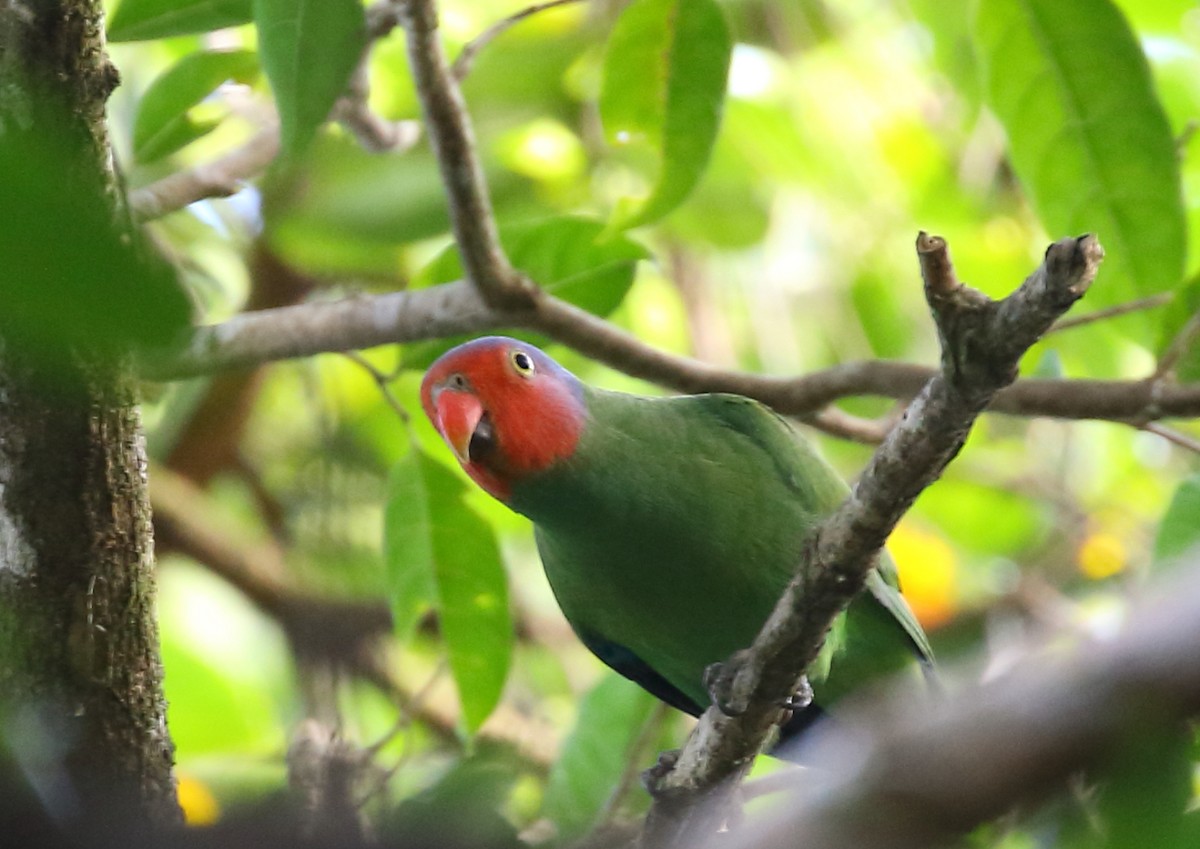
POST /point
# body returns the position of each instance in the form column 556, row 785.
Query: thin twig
column 1179, row 346
column 381, row 380
column 466, row 56
column 1173, row 436
column 352, row 110
column 638, row 753
column 408, row 713
column 1139, row 305
column 839, row 423
column 374, row 133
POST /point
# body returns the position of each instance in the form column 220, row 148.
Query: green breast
column 676, row 525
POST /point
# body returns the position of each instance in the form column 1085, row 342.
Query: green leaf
column 595, row 754
column 664, row 87
column 568, row 257
column 309, row 49
column 1088, row 137
column 570, row 260
column 1179, row 533
column 140, row 20
column 440, row 553
column 408, row 551
column 163, row 124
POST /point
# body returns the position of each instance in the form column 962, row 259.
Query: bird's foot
column 797, row 701
column 800, row 699
column 724, row 682
column 652, row 777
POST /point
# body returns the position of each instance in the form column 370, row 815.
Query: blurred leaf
column 70, row 277
column 565, row 256
column 664, row 86
column 878, row 307
column 139, row 20
column 408, row 551
column 1180, row 311
column 1148, row 787
column 163, row 125
column 461, row 809
column 439, row 550
column 543, row 48
column 950, row 26
column 1179, row 533
column 730, row 206
column 982, row 518
column 1088, row 136
column 340, row 209
column 309, row 49
column 595, row 754
column 347, row 194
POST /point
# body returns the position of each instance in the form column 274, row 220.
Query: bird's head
column 506, row 410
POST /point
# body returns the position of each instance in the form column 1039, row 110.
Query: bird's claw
column 801, row 698
column 797, row 701
column 721, row 679
column 652, row 777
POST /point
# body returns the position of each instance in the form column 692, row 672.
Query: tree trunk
column 81, row 704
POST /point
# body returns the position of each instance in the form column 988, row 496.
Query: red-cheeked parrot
column 668, row 527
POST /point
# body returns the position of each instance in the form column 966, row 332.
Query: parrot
column 668, row 526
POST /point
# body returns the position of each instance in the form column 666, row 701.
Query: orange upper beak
column 458, row 414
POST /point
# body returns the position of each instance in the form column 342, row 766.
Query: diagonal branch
column 221, row 177
column 982, row 341
column 471, row 217
column 900, row 778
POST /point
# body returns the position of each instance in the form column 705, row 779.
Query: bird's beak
column 458, row 414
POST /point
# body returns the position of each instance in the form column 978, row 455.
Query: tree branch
column 222, row 177
column 982, row 340
column 456, row 308
column 374, row 133
column 471, row 217
column 897, row 777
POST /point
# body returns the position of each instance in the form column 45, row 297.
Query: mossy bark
column 81, row 704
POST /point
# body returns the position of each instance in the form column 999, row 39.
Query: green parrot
column 668, row 527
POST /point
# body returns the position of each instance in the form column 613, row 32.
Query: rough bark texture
column 81, row 704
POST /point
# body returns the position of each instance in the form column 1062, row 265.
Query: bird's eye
column 457, row 381
column 523, row 363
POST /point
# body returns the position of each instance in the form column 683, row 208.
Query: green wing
column 670, row 533
column 816, row 484
column 820, row 489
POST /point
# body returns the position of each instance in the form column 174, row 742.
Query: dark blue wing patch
column 624, row 661
column 627, row 663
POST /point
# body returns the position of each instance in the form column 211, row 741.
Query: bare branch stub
column 983, row 340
